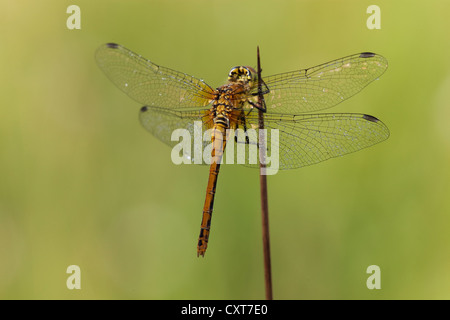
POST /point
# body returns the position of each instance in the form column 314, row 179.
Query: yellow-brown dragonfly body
column 174, row 100
column 226, row 112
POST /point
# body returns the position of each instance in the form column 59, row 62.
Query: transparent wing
column 150, row 84
column 303, row 140
column 175, row 127
column 307, row 139
column 323, row 86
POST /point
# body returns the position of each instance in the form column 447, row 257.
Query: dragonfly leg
column 258, row 106
column 241, row 119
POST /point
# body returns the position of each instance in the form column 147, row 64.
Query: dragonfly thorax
column 242, row 74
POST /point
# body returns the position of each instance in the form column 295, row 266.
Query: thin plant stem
column 263, row 188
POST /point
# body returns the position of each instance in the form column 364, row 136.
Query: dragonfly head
column 242, row 74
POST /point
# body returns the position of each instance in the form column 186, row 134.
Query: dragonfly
column 175, row 100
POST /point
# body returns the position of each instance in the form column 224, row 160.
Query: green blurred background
column 83, row 183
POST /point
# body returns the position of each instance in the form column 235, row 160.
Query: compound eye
column 233, row 74
column 240, row 74
column 249, row 74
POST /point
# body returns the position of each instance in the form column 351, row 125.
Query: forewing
column 150, row 84
column 322, row 86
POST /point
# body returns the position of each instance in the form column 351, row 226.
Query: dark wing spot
column 367, row 55
column 112, row 45
column 144, row 109
column 370, row 118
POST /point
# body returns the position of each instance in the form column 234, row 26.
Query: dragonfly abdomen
column 218, row 138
